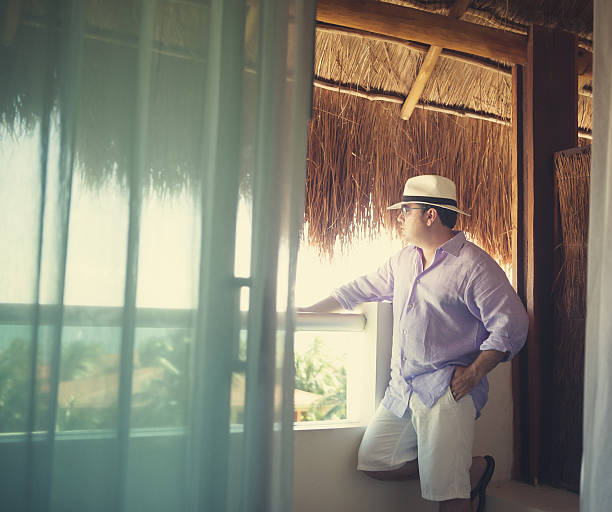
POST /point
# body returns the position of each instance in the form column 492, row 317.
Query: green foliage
column 85, row 418
column 82, row 359
column 14, row 386
column 15, row 389
column 319, row 371
column 162, row 403
column 159, row 400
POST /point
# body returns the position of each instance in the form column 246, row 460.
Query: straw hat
column 429, row 189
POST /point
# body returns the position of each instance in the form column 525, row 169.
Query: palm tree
column 319, row 371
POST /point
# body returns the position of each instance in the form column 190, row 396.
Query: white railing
column 105, row 316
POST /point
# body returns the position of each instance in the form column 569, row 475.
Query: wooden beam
column 431, row 58
column 397, row 23
column 465, row 58
column 549, row 124
column 517, row 177
column 583, row 56
column 425, row 27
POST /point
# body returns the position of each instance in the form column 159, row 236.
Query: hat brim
column 397, row 206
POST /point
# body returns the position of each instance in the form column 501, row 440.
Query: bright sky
column 169, row 243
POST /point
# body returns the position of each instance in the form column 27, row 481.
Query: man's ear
column 432, row 215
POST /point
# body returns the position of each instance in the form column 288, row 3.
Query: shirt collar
column 454, row 245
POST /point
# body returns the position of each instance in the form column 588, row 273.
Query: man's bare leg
column 408, row 471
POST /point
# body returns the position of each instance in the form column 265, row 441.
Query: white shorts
column 441, row 438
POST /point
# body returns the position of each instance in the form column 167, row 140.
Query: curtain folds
column 596, row 493
column 152, row 170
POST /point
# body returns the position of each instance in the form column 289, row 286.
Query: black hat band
column 426, row 199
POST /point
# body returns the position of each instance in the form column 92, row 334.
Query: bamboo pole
column 431, row 58
column 418, row 86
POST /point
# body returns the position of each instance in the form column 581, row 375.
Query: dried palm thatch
column 36, row 76
column 390, row 67
column 361, row 152
column 585, row 113
column 361, row 147
column 360, row 155
column 572, row 176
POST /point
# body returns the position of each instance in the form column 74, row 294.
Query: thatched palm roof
column 360, row 154
column 360, row 150
column 34, row 70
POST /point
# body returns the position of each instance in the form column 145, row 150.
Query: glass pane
column 169, row 251
column 20, row 192
column 322, row 365
column 95, row 266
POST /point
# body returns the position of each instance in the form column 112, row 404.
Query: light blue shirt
column 443, row 317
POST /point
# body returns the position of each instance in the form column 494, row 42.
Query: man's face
column 412, row 223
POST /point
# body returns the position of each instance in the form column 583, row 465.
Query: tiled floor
column 518, row 497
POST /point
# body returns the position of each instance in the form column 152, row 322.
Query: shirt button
column 409, row 306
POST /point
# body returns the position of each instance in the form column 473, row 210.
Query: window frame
column 372, row 320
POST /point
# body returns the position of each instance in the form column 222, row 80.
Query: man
column 455, row 317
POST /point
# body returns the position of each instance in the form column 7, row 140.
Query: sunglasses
column 406, row 208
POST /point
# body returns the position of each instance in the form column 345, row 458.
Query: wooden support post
column 520, row 392
column 550, row 124
column 517, row 178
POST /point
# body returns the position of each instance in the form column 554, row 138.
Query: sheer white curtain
column 596, row 492
column 152, row 161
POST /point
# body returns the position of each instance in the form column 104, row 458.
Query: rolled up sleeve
column 490, row 297
column 373, row 287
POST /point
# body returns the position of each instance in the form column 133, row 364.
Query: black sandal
column 481, row 487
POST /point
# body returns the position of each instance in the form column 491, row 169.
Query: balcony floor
column 519, row 497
